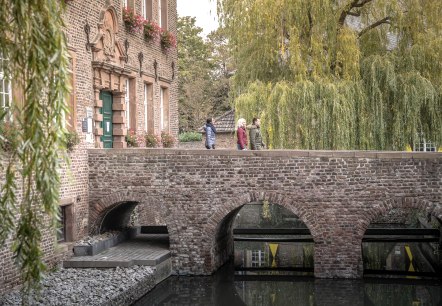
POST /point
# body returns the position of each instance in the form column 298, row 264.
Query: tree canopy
column 328, row 74
column 34, row 53
column 203, row 80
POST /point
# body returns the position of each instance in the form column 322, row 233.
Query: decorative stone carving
column 105, row 47
column 110, row 73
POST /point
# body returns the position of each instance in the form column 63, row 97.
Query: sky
column 203, row 10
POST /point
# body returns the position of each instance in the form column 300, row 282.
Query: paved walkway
column 144, row 250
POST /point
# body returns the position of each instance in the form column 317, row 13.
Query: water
column 223, row 288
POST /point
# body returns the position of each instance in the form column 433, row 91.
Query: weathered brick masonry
column 103, row 67
column 196, row 194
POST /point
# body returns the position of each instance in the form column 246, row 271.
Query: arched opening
column 265, row 238
column 118, row 218
column 403, row 242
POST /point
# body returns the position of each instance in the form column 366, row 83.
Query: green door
column 106, row 110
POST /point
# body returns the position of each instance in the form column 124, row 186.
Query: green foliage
column 318, row 83
column 131, row 139
column 152, row 141
column 167, row 140
column 203, row 84
column 190, row 136
column 32, row 41
column 72, row 139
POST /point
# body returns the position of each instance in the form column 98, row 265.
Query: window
column 5, row 87
column 164, row 109
column 61, row 231
column 71, row 118
column 257, row 258
column 147, row 9
column 162, row 14
column 146, row 97
column 129, row 4
column 148, row 105
column 425, row 146
column 127, row 102
column 65, row 230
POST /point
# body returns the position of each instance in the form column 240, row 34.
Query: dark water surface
column 223, row 288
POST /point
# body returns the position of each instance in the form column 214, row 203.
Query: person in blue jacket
column 210, row 130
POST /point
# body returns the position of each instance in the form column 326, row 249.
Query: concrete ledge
column 99, row 246
column 271, row 153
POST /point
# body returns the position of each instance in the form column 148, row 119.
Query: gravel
column 117, row 286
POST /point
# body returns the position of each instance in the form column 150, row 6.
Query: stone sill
column 272, row 153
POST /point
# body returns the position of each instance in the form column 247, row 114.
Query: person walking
column 241, row 134
column 256, row 136
column 210, row 133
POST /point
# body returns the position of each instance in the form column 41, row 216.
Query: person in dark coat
column 255, row 135
column 210, row 130
column 241, row 134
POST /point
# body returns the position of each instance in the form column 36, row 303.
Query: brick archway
column 215, row 256
column 406, row 203
column 99, row 209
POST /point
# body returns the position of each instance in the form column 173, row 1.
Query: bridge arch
column 218, row 229
column 117, row 208
column 405, row 203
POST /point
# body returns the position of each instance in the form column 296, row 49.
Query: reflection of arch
column 218, row 227
column 406, row 203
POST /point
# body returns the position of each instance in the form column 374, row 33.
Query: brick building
column 121, row 81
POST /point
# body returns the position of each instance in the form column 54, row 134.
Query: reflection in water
column 224, row 289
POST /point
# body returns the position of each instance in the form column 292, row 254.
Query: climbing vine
column 324, row 74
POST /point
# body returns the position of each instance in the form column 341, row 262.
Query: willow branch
column 385, row 20
column 347, row 10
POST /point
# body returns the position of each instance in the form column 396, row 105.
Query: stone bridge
column 197, row 194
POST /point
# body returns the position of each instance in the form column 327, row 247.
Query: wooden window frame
column 67, row 205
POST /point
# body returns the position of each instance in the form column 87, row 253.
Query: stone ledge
column 271, row 153
column 99, row 246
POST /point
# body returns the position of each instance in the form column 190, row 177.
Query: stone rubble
column 90, row 240
column 106, row 287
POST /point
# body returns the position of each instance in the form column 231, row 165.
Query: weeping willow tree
column 338, row 74
column 34, row 60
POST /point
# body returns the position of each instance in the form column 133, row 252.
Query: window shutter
column 164, row 24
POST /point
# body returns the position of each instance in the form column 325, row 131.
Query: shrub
column 167, row 40
column 151, row 30
column 167, row 140
column 131, row 139
column 8, row 136
column 72, row 139
column 152, row 141
column 190, row 136
column 134, row 22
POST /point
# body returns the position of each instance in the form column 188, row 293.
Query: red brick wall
column 75, row 181
column 195, row 193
